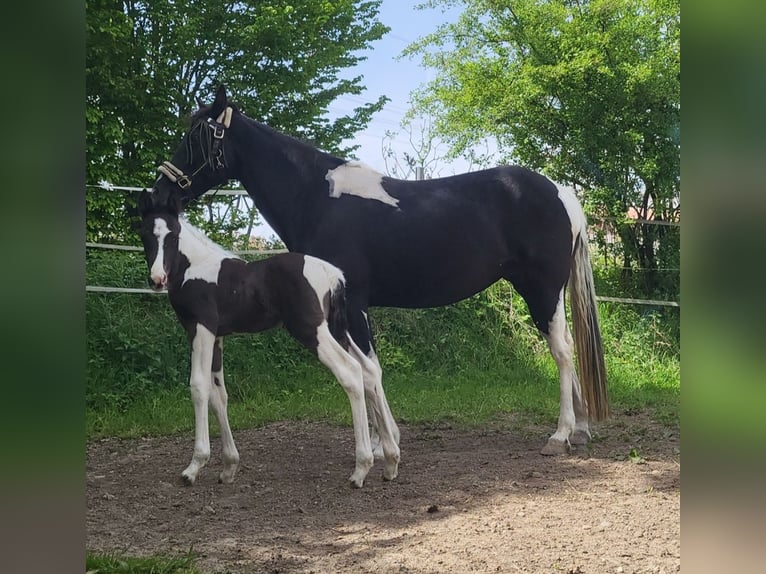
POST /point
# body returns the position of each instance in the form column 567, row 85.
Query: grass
column 456, row 379
column 473, row 363
column 116, row 564
column 469, row 363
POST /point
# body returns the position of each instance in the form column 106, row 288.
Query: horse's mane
column 204, row 112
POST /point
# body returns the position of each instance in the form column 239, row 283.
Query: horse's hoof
column 580, row 437
column 555, row 446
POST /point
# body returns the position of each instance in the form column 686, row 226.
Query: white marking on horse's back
column 205, row 256
column 574, row 210
column 356, row 178
column 322, row 276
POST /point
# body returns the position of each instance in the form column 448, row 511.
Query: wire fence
column 233, row 192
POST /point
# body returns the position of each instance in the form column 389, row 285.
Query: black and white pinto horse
column 416, row 243
column 215, row 293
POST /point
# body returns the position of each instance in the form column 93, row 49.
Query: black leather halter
column 212, row 147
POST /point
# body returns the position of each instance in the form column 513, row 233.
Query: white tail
column 587, row 334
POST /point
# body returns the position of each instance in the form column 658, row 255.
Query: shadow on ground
column 466, row 500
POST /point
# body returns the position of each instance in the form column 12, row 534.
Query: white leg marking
column 563, row 352
column 219, row 400
column 200, row 383
column 356, row 178
column 349, row 374
column 372, row 376
column 581, row 434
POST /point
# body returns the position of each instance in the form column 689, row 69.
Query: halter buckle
column 184, row 181
column 218, row 129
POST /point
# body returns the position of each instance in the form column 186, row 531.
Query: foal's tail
column 587, row 335
column 337, row 320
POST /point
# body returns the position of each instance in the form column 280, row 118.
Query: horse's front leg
column 200, row 383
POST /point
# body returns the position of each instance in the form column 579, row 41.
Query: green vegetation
column 282, row 62
column 589, row 92
column 115, row 564
column 470, row 363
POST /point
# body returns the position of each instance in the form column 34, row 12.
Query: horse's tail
column 587, row 335
column 337, row 319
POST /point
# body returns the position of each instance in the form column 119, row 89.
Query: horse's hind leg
column 581, row 434
column 562, row 350
column 200, row 384
column 219, row 400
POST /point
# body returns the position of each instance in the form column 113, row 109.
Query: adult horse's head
column 160, row 228
column 201, row 161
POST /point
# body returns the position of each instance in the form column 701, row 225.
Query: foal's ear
column 175, row 203
column 145, row 202
column 219, row 105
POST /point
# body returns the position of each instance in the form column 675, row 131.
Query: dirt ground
column 465, row 501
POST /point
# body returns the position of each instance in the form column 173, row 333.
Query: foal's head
column 159, row 233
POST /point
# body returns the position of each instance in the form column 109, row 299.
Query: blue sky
column 384, row 74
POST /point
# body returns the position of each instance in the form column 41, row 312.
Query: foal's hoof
column 555, row 446
column 355, row 482
column 390, row 474
column 187, row 480
column 580, row 437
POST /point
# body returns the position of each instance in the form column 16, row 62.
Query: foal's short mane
column 199, row 236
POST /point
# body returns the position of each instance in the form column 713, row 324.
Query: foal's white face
column 157, row 271
column 160, row 247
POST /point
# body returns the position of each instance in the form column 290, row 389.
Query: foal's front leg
column 219, row 400
column 200, row 383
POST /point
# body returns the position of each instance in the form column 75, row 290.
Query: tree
column 147, row 60
column 587, row 91
column 425, row 151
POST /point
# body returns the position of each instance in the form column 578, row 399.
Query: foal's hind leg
column 349, row 374
column 200, row 384
column 219, row 400
column 359, row 330
column 372, row 375
column 562, row 350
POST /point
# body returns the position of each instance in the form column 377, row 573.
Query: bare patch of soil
column 466, row 500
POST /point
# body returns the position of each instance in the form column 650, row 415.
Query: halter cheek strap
column 215, row 158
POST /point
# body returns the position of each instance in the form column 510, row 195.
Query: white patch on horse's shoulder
column 356, row 178
column 574, row 209
column 321, row 275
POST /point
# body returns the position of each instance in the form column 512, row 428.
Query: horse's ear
column 145, row 202
column 219, row 105
column 200, row 103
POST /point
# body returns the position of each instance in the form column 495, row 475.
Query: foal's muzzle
column 158, row 283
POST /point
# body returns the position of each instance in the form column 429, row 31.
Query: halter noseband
column 212, row 153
